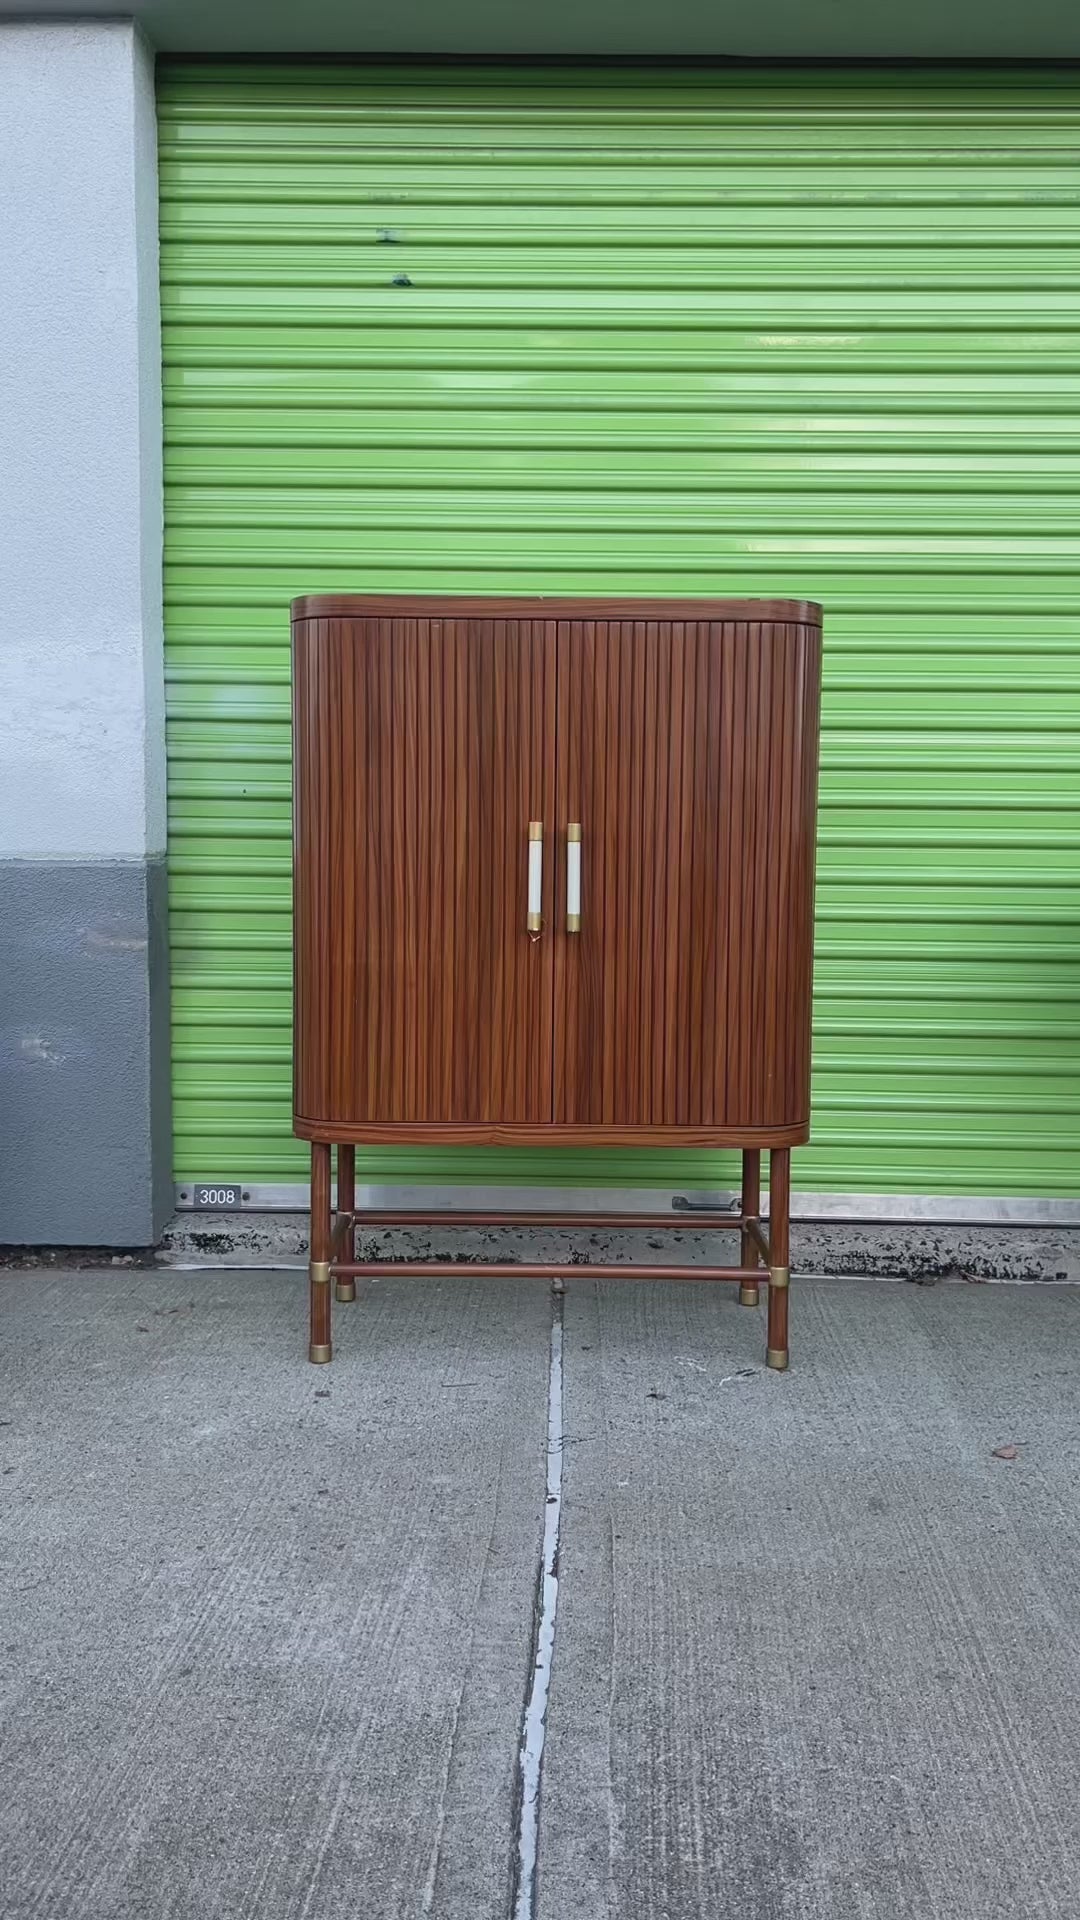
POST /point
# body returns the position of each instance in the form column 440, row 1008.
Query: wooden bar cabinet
column 554, row 884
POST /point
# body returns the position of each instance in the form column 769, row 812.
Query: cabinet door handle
column 536, row 876
column 573, row 877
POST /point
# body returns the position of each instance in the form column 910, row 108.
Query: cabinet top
column 456, row 606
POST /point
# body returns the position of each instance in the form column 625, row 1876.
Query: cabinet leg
column 779, row 1255
column 319, row 1349
column 345, row 1287
column 751, row 1205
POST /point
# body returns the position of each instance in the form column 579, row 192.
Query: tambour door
column 687, row 764
column 423, row 748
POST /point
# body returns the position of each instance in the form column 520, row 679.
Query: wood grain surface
column 687, row 750
column 683, row 738
column 422, row 749
column 457, row 606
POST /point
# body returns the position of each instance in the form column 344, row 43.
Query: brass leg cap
column 345, row 1290
column 777, row 1357
column 319, row 1355
column 748, row 1296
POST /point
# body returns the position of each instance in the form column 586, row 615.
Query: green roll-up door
column 787, row 333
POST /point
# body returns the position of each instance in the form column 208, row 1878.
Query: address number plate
column 218, row 1197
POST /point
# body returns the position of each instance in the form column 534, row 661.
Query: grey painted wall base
column 892, row 1252
column 84, row 1053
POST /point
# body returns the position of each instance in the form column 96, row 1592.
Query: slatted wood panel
column 683, row 736
column 422, row 750
column 688, row 753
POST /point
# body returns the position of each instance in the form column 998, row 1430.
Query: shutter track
column 797, row 334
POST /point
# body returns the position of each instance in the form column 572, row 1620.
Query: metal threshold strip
column 989, row 1210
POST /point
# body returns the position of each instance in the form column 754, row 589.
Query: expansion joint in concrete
column 527, row 1786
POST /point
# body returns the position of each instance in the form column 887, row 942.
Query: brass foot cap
column 345, row 1290
column 748, row 1296
column 776, row 1357
column 319, row 1355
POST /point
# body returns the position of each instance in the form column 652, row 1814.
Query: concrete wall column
column 84, row 1072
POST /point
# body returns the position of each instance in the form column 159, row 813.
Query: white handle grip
column 536, row 875
column 573, row 877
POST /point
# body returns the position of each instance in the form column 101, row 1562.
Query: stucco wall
column 82, row 762
column 84, row 1090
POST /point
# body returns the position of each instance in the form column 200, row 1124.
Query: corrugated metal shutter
column 800, row 334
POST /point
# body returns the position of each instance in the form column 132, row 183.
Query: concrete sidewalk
column 818, row 1650
column 267, row 1630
